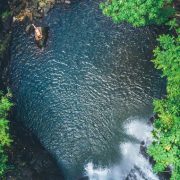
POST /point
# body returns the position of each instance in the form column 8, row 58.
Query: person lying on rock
column 38, row 33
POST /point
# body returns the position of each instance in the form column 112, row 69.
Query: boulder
column 46, row 9
column 29, row 29
column 42, row 4
column 51, row 1
column 37, row 14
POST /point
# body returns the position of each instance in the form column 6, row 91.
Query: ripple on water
column 77, row 94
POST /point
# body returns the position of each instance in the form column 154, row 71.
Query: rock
column 34, row 4
column 67, row 2
column 143, row 149
column 152, row 119
column 14, row 19
column 29, row 29
column 37, row 14
column 84, row 178
column 47, row 9
column 51, row 1
column 42, row 4
column 17, row 8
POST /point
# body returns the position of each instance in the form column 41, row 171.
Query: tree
column 166, row 146
column 5, row 139
column 138, row 12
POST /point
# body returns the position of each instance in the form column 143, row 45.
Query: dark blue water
column 79, row 92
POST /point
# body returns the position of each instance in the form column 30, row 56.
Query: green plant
column 5, row 139
column 138, row 12
column 165, row 148
column 5, row 15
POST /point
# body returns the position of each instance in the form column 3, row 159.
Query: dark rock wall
column 5, row 37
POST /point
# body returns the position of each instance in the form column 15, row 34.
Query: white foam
column 131, row 157
column 138, row 129
column 99, row 173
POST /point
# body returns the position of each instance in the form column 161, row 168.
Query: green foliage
column 5, row 15
column 5, row 139
column 138, row 12
column 172, row 23
column 166, row 146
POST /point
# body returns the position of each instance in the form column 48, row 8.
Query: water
column 87, row 91
column 133, row 165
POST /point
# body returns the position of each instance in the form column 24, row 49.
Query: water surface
column 78, row 94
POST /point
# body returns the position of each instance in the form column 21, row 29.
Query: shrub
column 138, row 12
column 5, row 139
column 166, row 146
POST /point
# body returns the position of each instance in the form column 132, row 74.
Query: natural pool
column 88, row 95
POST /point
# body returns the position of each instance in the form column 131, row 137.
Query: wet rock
column 27, row 173
column 84, row 178
column 63, row 1
column 38, row 8
column 17, row 8
column 47, row 9
column 177, row 5
column 152, row 119
column 34, row 4
column 52, row 1
column 67, row 2
column 143, row 149
column 135, row 174
column 46, row 6
column 166, row 175
column 42, row 4
column 29, row 29
column 37, row 14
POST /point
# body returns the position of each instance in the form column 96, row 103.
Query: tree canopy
column 138, row 12
column 166, row 146
column 5, row 139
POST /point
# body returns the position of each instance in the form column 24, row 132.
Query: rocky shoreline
column 33, row 9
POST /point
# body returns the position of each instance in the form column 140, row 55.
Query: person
column 38, row 33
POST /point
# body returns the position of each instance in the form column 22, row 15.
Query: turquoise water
column 78, row 93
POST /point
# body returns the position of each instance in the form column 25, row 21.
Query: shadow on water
column 77, row 94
